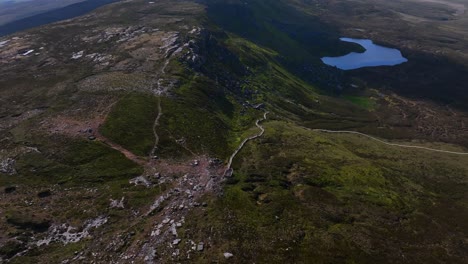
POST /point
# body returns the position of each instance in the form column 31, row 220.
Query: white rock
column 119, row 204
column 174, row 230
column 27, row 52
column 200, row 246
column 77, row 55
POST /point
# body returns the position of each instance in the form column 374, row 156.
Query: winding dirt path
column 239, row 148
column 127, row 153
column 388, row 143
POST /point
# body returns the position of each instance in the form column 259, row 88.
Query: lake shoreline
column 374, row 56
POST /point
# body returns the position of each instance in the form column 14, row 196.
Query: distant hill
column 12, row 10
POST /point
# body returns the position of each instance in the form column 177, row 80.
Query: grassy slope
column 200, row 113
column 304, row 197
column 299, row 38
column 290, row 96
column 279, row 26
column 298, row 196
column 131, row 121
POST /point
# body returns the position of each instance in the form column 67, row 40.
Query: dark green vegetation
column 79, row 163
column 130, row 123
column 304, row 32
column 299, row 38
column 431, row 34
column 361, row 101
column 296, row 196
column 199, row 115
column 296, row 35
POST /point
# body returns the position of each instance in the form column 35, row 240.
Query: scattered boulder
column 117, row 204
column 200, row 246
column 77, row 55
column 228, row 255
column 140, row 180
column 173, row 230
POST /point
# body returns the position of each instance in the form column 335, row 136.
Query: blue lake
column 374, row 55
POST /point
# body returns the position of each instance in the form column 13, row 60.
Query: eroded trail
column 388, row 143
column 155, row 125
column 127, row 153
column 262, row 131
column 160, row 90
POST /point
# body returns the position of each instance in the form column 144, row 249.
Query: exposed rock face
column 66, row 234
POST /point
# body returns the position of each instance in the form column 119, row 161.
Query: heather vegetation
column 117, row 147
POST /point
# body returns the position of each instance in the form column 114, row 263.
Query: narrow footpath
column 388, row 143
column 155, row 132
column 262, row 131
